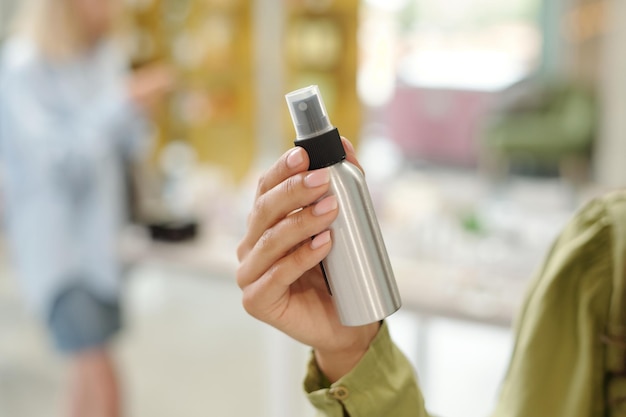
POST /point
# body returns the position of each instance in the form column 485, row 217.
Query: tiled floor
column 188, row 349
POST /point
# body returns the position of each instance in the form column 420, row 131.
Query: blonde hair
column 54, row 27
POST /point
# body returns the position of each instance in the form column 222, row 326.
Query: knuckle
column 297, row 221
column 242, row 250
column 300, row 258
column 239, row 277
column 262, row 184
column 266, row 241
column 291, row 185
column 244, row 276
column 259, row 210
column 248, row 301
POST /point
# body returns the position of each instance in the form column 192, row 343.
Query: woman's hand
column 279, row 270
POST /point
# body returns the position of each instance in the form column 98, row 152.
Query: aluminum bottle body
column 357, row 268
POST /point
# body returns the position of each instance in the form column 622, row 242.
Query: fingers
column 280, row 240
column 278, row 226
column 267, row 297
column 292, row 162
column 295, row 161
column 273, row 205
column 292, row 194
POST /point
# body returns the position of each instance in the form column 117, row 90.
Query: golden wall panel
column 208, row 43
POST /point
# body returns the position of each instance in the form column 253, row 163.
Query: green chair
column 542, row 126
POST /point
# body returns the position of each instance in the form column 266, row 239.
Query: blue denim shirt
column 65, row 130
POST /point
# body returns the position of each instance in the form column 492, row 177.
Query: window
column 468, row 44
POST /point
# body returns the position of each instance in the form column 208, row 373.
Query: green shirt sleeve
column 574, row 310
column 570, row 338
column 382, row 384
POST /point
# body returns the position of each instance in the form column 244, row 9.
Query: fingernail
column 325, row 206
column 295, row 158
column 320, row 240
column 317, row 178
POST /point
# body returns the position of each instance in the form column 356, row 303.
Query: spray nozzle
column 308, row 112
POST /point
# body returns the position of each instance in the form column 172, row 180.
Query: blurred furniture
column 542, row 126
column 210, row 45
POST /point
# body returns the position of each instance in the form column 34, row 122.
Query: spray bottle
column 357, row 269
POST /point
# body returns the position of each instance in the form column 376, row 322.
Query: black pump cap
column 324, row 150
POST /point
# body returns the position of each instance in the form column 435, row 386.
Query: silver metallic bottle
column 357, row 269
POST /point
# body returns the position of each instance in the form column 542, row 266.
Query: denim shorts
column 80, row 321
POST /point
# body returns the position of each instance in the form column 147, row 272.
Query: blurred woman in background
column 70, row 115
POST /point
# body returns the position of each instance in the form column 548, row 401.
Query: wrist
column 335, row 363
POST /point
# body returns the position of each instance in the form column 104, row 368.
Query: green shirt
column 569, row 358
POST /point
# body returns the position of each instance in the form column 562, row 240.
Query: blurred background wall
column 225, row 63
column 612, row 141
column 482, row 126
column 6, row 13
column 447, row 87
column 236, row 59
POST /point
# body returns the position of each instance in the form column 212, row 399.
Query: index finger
column 291, row 163
column 294, row 161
